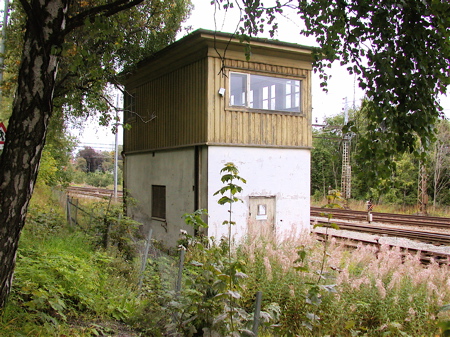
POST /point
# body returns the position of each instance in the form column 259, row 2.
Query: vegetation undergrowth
column 68, row 284
column 64, row 282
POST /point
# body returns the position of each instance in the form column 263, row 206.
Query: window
column 261, row 212
column 264, row 92
column 159, row 202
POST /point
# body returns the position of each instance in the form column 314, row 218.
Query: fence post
column 256, row 317
column 76, row 212
column 180, row 270
column 144, row 259
column 69, row 215
column 107, row 233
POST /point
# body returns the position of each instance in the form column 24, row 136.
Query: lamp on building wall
column 222, row 91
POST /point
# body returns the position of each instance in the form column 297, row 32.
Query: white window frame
column 267, row 98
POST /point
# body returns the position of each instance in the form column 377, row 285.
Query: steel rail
column 426, row 257
column 400, row 219
column 92, row 192
column 422, row 236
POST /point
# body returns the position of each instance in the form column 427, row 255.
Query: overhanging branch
column 99, row 11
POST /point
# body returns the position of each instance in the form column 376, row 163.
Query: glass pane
column 262, row 209
column 238, row 89
column 273, row 93
column 265, row 92
column 159, row 201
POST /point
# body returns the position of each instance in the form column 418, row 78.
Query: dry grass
column 377, row 291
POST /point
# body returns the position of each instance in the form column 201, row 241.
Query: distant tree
column 94, row 159
column 403, row 182
column 326, row 156
column 440, row 162
column 81, row 164
column 321, row 172
column 108, row 161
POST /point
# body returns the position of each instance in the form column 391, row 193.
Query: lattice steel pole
column 346, row 178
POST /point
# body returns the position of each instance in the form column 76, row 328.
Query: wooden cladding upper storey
column 179, row 87
column 177, row 102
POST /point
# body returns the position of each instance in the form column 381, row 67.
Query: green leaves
column 93, row 54
column 195, row 219
column 232, row 174
column 444, row 326
column 302, row 254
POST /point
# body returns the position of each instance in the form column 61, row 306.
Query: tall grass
column 376, row 292
column 63, row 282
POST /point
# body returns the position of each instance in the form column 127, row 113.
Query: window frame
column 248, row 96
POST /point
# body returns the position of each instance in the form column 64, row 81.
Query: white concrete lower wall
column 283, row 173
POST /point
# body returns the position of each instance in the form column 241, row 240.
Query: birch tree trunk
column 27, row 128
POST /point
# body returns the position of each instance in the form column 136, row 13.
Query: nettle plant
column 210, row 303
column 229, row 191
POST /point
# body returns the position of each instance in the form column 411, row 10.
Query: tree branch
column 26, row 7
column 104, row 10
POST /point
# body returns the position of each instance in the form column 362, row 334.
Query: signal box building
column 201, row 103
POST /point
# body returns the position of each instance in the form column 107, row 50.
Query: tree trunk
column 27, row 126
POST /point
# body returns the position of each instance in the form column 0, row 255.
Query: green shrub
column 388, row 295
column 109, row 227
column 100, row 179
column 60, row 276
column 64, row 276
column 42, row 223
column 79, row 177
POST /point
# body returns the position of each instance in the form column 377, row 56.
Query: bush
column 309, row 288
column 61, row 276
column 388, row 295
column 79, row 177
column 99, row 179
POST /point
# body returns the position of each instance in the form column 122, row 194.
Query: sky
column 342, row 87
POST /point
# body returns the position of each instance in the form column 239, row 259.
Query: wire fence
column 81, row 217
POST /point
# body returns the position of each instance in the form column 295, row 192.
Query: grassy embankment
column 67, row 284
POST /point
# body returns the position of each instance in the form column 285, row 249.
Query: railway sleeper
column 426, row 257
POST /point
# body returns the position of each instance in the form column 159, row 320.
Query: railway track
column 426, row 256
column 433, row 238
column 397, row 219
column 358, row 223
column 92, row 192
column 437, row 239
